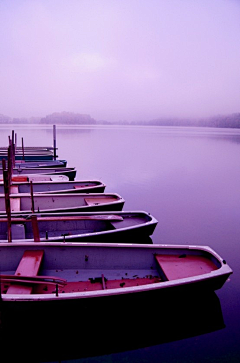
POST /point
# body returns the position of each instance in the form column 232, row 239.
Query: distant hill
column 227, row 121
column 4, row 119
column 68, row 118
column 223, row 121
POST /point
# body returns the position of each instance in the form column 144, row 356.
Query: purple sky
column 120, row 59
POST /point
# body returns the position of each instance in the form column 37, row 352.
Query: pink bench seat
column 28, row 266
column 175, row 267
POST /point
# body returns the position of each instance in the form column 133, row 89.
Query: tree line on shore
column 70, row 118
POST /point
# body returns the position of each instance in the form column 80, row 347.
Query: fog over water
column 120, row 60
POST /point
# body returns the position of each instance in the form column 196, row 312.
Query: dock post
column 36, row 235
column 54, row 142
column 23, row 156
column 13, row 147
column 10, row 165
column 32, row 198
column 7, row 199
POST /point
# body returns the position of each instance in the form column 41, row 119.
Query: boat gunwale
column 43, row 170
column 81, row 195
column 63, row 182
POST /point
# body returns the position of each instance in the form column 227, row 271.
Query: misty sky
column 120, row 59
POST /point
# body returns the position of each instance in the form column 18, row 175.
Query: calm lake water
column 189, row 179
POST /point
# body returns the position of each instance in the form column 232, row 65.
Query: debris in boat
column 183, row 255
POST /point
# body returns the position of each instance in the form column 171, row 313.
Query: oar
column 33, row 279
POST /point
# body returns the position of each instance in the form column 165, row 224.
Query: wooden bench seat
column 99, row 200
column 18, row 179
column 28, row 266
column 177, row 267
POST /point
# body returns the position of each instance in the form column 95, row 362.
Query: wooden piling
column 35, row 228
column 54, row 143
column 23, row 155
column 10, row 166
column 32, row 198
column 13, row 146
column 7, row 199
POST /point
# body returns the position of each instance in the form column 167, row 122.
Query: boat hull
column 30, row 157
column 69, row 172
column 22, row 164
column 126, row 226
column 43, row 187
column 60, row 203
column 30, row 153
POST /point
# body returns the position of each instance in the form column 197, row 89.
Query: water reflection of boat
column 115, row 326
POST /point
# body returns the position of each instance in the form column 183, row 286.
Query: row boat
column 36, row 178
column 27, row 203
column 31, row 272
column 30, row 155
column 46, row 184
column 4, row 149
column 23, row 164
column 68, row 171
column 80, row 226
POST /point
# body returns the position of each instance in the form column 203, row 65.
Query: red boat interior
column 27, row 281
